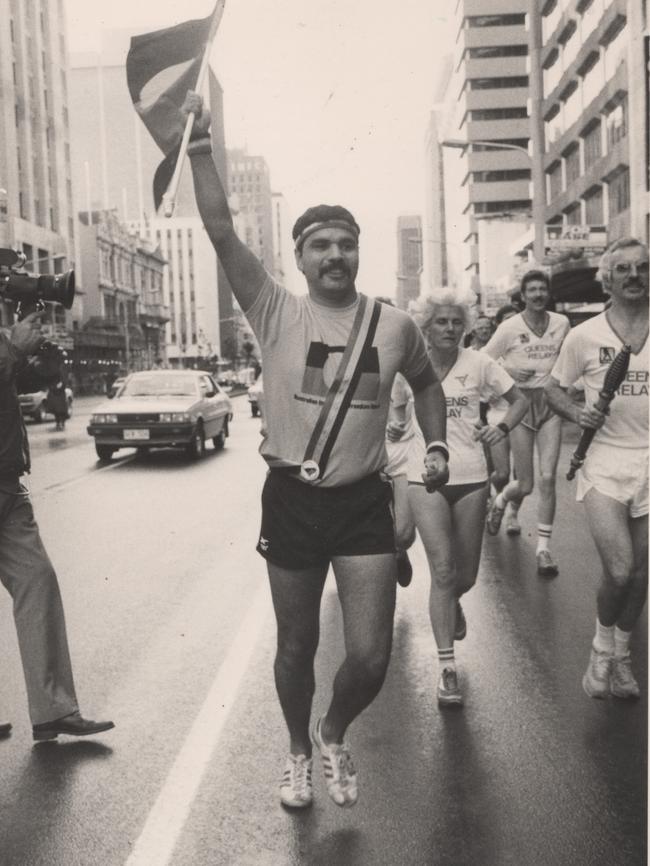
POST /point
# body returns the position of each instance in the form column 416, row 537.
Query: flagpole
column 169, row 198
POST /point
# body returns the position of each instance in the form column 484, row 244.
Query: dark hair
column 503, row 311
column 323, row 213
column 529, row 276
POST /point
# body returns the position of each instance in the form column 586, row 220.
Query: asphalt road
column 172, row 636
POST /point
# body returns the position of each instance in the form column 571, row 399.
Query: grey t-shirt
column 302, row 343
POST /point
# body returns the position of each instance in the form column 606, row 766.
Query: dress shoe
column 75, row 725
column 5, row 729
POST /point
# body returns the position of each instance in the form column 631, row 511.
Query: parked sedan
column 163, row 409
column 34, row 405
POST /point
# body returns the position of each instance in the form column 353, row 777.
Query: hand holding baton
column 613, row 379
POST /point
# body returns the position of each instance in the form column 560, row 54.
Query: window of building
column 594, row 214
column 617, row 122
column 552, row 71
column 500, row 175
column 593, row 78
column 572, row 168
column 571, row 104
column 570, row 42
column 498, row 83
column 554, row 175
column 553, row 126
column 615, row 44
column 484, row 51
column 574, row 215
column 495, row 20
column 498, row 113
column 619, row 191
column 551, row 14
column 501, row 206
column 590, row 14
column 592, row 139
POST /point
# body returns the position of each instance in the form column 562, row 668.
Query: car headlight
column 174, row 417
column 103, row 419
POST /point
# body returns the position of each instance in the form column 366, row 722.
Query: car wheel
column 104, row 452
column 219, row 440
column 38, row 415
column 196, row 448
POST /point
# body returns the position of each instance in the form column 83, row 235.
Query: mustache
column 337, row 265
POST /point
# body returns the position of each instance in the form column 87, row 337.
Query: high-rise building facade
column 595, row 110
column 409, row 259
column 249, row 180
column 35, row 141
column 486, row 106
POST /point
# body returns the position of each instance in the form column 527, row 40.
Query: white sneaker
column 340, row 775
column 621, row 679
column 595, row 682
column 449, row 693
column 512, row 521
column 295, row 787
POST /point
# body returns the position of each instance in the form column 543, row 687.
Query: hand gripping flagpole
column 169, row 198
column 613, row 379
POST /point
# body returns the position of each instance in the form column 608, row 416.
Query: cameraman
column 25, row 569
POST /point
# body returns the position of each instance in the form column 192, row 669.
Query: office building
column 35, row 139
column 409, row 259
column 485, row 107
column 249, row 180
column 595, row 110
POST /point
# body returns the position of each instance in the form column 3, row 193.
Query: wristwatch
column 503, row 427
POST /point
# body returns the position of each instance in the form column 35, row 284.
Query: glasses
column 624, row 269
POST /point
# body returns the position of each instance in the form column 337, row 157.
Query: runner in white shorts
column 528, row 345
column 613, row 482
column 450, row 523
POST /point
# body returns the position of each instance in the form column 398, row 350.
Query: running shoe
column 595, row 682
column 621, row 679
column 340, row 775
column 449, row 693
column 404, row 568
column 461, row 623
column 295, row 787
column 494, row 518
column 512, row 522
column 545, row 565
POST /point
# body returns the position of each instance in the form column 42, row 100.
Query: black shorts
column 453, row 493
column 305, row 526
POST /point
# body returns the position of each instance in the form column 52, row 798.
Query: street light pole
column 535, row 82
column 537, row 177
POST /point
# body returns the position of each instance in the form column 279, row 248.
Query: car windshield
column 159, row 386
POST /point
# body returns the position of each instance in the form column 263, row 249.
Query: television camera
column 29, row 291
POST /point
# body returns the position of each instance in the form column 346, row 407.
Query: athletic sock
column 621, row 642
column 446, row 658
column 543, row 536
column 604, row 638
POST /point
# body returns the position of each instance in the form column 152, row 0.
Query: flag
column 160, row 68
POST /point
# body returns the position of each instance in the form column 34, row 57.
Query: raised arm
column 245, row 272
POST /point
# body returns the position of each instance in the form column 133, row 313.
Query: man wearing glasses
column 613, row 482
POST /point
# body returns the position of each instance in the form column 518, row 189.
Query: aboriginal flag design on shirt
column 323, row 359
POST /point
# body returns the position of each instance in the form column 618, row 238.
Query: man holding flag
column 329, row 360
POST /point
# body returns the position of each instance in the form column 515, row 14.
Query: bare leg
column 433, row 520
column 366, row 587
column 522, row 443
column 296, row 601
column 549, row 438
column 404, row 525
column 500, row 454
column 609, row 525
column 467, row 519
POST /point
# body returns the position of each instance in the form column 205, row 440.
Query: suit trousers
column 27, row 574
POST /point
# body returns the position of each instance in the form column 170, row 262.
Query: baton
column 614, row 376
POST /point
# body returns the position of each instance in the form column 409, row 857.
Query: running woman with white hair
column 450, row 520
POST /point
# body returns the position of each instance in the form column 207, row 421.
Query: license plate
column 136, row 434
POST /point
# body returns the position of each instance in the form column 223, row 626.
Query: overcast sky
column 335, row 94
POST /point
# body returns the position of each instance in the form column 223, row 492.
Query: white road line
column 166, row 820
